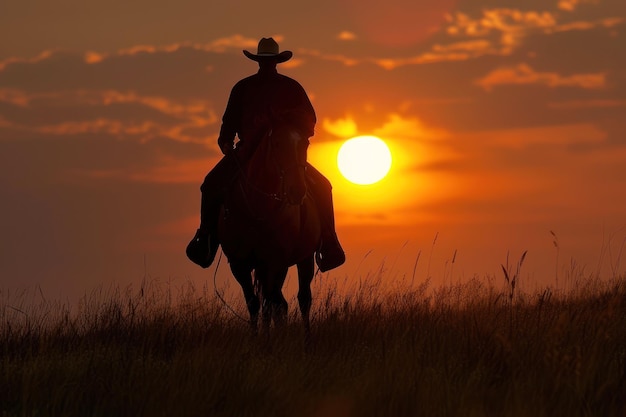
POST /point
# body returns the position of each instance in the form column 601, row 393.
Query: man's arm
column 311, row 117
column 304, row 112
column 308, row 116
column 230, row 122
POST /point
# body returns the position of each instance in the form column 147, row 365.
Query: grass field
column 465, row 350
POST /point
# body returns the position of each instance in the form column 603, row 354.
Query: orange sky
column 505, row 121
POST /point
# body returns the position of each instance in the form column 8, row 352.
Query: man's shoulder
column 287, row 79
column 247, row 80
column 289, row 83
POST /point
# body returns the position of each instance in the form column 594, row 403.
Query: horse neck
column 262, row 184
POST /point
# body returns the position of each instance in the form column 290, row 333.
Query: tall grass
column 459, row 350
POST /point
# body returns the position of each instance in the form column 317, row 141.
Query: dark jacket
column 258, row 101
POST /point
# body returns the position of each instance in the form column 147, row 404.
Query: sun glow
column 364, row 160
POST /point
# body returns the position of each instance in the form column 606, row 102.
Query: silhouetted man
column 252, row 104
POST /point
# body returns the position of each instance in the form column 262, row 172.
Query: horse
column 268, row 223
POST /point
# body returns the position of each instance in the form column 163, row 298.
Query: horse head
column 278, row 165
column 289, row 150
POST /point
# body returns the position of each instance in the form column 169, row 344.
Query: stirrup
column 330, row 259
column 201, row 250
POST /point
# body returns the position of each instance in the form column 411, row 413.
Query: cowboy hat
column 268, row 48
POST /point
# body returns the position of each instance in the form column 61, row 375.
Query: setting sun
column 364, row 160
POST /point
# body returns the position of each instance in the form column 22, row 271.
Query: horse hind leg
column 274, row 303
column 280, row 305
column 243, row 275
column 280, row 308
column 274, row 309
column 306, row 270
column 254, row 306
column 266, row 317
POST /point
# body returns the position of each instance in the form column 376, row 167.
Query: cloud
column 523, row 74
column 507, row 21
column 16, row 60
column 452, row 52
column 236, row 42
column 509, row 25
column 395, row 126
column 503, row 30
column 94, row 57
column 498, row 32
column 580, row 25
column 514, row 25
column 14, row 96
column 346, row 36
column 426, row 58
column 150, row 49
column 571, row 5
column 183, row 72
column 123, row 114
column 220, row 45
column 343, row 128
column 398, row 126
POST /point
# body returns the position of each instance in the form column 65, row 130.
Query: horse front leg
column 274, row 303
column 243, row 274
column 280, row 305
column 306, row 270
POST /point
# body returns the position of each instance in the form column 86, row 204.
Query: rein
column 217, row 266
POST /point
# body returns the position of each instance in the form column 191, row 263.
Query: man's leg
column 330, row 254
column 203, row 247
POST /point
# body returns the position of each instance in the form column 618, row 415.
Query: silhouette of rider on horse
column 254, row 104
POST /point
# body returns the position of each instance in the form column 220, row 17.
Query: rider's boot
column 202, row 248
column 330, row 254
